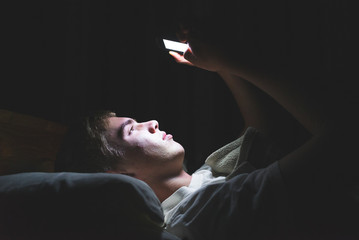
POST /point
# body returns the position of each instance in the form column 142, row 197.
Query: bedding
column 65, row 205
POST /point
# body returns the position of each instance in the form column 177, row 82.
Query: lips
column 166, row 136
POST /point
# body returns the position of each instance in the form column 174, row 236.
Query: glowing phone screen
column 177, row 46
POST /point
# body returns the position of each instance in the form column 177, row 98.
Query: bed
column 36, row 203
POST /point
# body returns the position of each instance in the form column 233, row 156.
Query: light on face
column 176, row 46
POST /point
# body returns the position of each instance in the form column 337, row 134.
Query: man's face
column 144, row 146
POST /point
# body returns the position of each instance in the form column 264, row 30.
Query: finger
column 188, row 55
column 179, row 58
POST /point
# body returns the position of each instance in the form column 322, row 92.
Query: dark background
column 64, row 58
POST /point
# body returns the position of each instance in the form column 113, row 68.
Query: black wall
column 64, row 58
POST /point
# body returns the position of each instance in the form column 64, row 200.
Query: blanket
column 247, row 153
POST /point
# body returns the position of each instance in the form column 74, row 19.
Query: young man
column 246, row 188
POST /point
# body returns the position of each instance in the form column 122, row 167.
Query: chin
column 177, row 152
column 180, row 148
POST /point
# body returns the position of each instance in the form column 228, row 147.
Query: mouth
column 166, row 136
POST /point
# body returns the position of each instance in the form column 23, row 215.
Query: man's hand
column 180, row 58
column 201, row 54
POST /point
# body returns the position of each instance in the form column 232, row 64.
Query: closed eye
column 131, row 130
column 122, row 129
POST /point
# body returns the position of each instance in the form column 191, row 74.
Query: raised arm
column 262, row 112
column 290, row 92
column 321, row 175
column 251, row 101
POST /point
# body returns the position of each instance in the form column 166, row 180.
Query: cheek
column 147, row 148
column 152, row 149
column 164, row 151
column 130, row 150
column 141, row 148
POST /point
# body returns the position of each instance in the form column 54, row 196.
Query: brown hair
column 85, row 147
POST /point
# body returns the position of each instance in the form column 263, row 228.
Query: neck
column 165, row 187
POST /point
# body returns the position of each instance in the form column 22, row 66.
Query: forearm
column 252, row 103
column 262, row 112
column 288, row 91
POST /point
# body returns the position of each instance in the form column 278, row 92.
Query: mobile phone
column 173, row 45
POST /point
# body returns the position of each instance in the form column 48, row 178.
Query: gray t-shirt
column 203, row 176
column 249, row 205
column 243, row 202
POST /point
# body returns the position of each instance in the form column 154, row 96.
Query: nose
column 152, row 126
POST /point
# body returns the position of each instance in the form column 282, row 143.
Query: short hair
column 85, row 147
